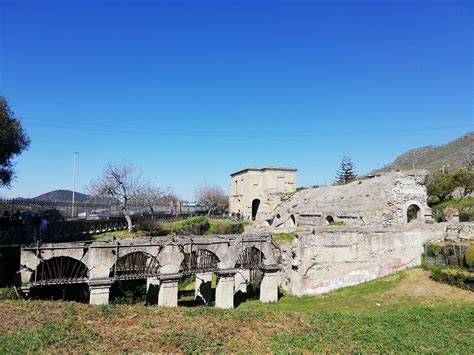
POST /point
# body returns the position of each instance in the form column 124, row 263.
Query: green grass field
column 405, row 312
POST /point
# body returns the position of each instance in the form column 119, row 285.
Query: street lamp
column 73, row 184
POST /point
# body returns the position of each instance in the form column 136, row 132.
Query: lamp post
column 73, row 184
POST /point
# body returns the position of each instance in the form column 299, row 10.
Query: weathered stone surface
column 225, row 290
column 257, row 191
column 99, row 292
column 382, row 201
column 269, row 286
column 451, row 214
column 168, row 293
column 338, row 257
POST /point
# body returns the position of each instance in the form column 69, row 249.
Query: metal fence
column 89, row 210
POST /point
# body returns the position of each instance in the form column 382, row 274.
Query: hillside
column 454, row 155
column 64, row 195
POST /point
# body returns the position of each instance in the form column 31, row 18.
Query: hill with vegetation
column 453, row 155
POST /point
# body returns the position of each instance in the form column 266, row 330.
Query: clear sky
column 191, row 91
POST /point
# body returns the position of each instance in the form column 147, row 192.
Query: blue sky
column 190, row 91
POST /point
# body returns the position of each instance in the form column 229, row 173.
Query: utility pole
column 73, row 184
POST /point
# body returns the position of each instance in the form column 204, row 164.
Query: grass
column 50, row 334
column 405, row 312
column 283, row 238
column 123, row 234
column 185, row 222
column 215, row 226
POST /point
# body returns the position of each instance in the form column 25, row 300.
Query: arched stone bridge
column 162, row 261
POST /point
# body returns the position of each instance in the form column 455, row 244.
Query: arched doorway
column 413, row 213
column 255, row 206
column 329, row 219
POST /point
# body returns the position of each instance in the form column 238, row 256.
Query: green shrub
column 451, row 276
column 196, row 228
column 437, row 214
column 434, row 250
column 466, row 215
column 151, row 226
column 226, row 227
column 8, row 293
column 469, row 256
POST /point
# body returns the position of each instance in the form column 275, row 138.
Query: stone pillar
column 152, row 290
column 242, row 279
column 203, row 287
column 99, row 291
column 168, row 293
column 269, row 285
column 225, row 289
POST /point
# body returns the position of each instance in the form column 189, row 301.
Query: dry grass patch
column 26, row 315
column 418, row 285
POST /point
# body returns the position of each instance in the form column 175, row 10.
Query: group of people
column 19, row 219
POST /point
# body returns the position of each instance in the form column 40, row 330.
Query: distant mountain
column 64, row 196
column 454, row 155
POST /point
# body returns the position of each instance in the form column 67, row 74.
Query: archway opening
column 199, row 281
column 61, row 278
column 130, row 273
column 413, row 213
column 249, row 275
column 255, row 206
column 329, row 219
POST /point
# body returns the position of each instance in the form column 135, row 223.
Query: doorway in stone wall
column 255, row 206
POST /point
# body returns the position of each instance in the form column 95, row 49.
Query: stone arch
column 329, row 219
column 255, row 206
column 199, row 261
column 60, row 270
column 418, row 211
column 250, row 258
column 413, row 213
column 135, row 265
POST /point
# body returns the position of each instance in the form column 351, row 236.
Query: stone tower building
column 256, row 191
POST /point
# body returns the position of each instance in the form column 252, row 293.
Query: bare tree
column 213, row 197
column 151, row 195
column 120, row 182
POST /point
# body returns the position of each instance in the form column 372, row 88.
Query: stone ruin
column 348, row 234
column 385, row 200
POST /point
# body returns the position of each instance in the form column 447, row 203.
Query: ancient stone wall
column 386, row 200
column 335, row 257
